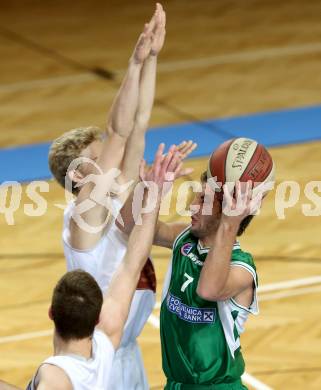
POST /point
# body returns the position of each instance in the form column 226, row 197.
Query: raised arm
column 118, row 298
column 136, row 143
column 92, row 211
column 218, row 280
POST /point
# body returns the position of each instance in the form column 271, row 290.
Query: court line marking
column 171, row 66
column 155, row 321
column 287, row 284
column 47, row 82
column 254, row 382
column 244, row 56
column 290, row 284
column 26, row 336
column 280, row 295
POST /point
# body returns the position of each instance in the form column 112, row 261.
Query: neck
column 207, row 242
column 82, row 347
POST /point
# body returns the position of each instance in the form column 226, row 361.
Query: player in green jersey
column 209, row 291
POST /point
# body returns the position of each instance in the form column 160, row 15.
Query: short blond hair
column 68, row 147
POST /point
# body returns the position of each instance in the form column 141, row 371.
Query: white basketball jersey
column 101, row 262
column 86, row 374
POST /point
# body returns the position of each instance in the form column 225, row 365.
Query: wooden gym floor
column 48, row 52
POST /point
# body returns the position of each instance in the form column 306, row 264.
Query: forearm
column 146, row 92
column 119, row 295
column 216, row 268
column 141, row 240
column 122, row 114
column 133, row 155
column 136, row 143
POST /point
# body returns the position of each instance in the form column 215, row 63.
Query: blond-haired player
column 103, row 166
column 83, row 352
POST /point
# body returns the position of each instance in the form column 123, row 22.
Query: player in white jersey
column 100, row 251
column 88, row 325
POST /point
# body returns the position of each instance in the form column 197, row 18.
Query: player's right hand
column 159, row 32
column 151, row 41
column 143, row 46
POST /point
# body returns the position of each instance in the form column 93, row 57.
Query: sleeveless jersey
column 102, row 261
column 201, row 339
column 85, row 374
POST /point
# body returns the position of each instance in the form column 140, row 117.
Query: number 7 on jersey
column 187, row 282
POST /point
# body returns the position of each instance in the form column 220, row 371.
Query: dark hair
column 246, row 221
column 76, row 305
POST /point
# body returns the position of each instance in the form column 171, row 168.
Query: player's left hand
column 185, row 148
column 238, row 206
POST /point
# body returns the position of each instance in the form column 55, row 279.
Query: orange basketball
column 241, row 159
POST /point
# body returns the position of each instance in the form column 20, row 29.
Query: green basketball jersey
column 200, row 339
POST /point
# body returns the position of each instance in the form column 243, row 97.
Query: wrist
column 134, row 63
column 230, row 226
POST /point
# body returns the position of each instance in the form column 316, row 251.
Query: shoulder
column 53, row 376
column 238, row 255
column 184, row 235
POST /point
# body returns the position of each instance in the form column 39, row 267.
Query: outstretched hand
column 151, row 40
column 159, row 31
column 177, row 153
column 185, row 148
column 164, row 168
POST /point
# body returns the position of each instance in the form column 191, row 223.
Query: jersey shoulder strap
column 245, row 260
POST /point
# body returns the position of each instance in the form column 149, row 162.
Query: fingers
column 178, row 170
column 228, row 194
column 183, row 172
column 186, row 148
column 158, row 35
column 141, row 40
column 174, row 162
column 159, row 160
column 167, row 160
column 242, row 203
column 142, row 169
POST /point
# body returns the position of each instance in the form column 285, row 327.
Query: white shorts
column 128, row 371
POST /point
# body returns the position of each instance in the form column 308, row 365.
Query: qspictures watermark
column 286, row 196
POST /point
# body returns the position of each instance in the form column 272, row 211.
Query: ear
column 75, row 176
column 50, row 313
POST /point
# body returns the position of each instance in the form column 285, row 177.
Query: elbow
column 141, row 122
column 210, row 294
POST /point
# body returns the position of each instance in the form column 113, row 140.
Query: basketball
column 241, row 159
